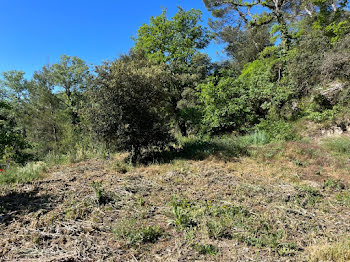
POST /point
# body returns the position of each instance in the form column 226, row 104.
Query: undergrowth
column 27, row 173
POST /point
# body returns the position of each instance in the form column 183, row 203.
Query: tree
column 12, row 141
column 129, row 110
column 243, row 45
column 258, row 13
column 15, row 87
column 71, row 74
column 277, row 13
column 177, row 43
column 47, row 113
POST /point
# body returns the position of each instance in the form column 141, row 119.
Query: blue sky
column 37, row 32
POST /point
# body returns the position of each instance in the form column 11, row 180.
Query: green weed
column 332, row 184
column 134, row 234
column 102, row 197
column 343, row 198
column 206, row 249
column 181, row 210
column 308, row 196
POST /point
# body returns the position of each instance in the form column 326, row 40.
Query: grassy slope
column 284, row 202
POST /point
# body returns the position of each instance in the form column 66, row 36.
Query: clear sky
column 37, row 32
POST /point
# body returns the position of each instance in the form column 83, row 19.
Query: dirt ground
column 271, row 206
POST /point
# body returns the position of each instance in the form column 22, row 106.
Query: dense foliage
column 287, row 60
column 129, row 111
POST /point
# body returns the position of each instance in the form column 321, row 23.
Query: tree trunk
column 182, row 127
column 135, row 155
column 286, row 38
column 179, row 121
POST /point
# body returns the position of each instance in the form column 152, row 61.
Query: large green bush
column 130, row 106
column 239, row 103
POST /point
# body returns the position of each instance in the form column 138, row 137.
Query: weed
column 181, row 210
column 102, row 197
column 222, row 220
column 308, row 196
column 298, row 163
column 220, row 228
column 141, row 201
column 206, row 249
column 134, row 234
column 343, row 198
column 332, row 184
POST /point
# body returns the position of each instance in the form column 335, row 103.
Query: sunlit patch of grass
column 257, row 138
column 120, row 166
column 30, row 172
column 337, row 252
column 338, row 145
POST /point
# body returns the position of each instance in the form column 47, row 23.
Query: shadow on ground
column 196, row 149
column 18, row 203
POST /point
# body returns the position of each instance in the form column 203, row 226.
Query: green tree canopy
column 71, row 74
column 177, row 42
column 129, row 110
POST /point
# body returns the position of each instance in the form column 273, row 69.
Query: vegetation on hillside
column 287, row 61
column 203, row 158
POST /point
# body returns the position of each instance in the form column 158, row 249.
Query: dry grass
column 280, row 204
column 338, row 251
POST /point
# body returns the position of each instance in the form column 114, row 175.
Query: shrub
column 130, row 106
column 226, row 106
column 277, row 130
column 237, row 104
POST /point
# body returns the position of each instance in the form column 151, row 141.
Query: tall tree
column 15, row 89
column 243, row 45
column 176, row 42
column 47, row 112
column 71, row 74
column 12, row 141
column 278, row 13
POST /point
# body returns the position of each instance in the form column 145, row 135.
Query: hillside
column 286, row 201
column 165, row 153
